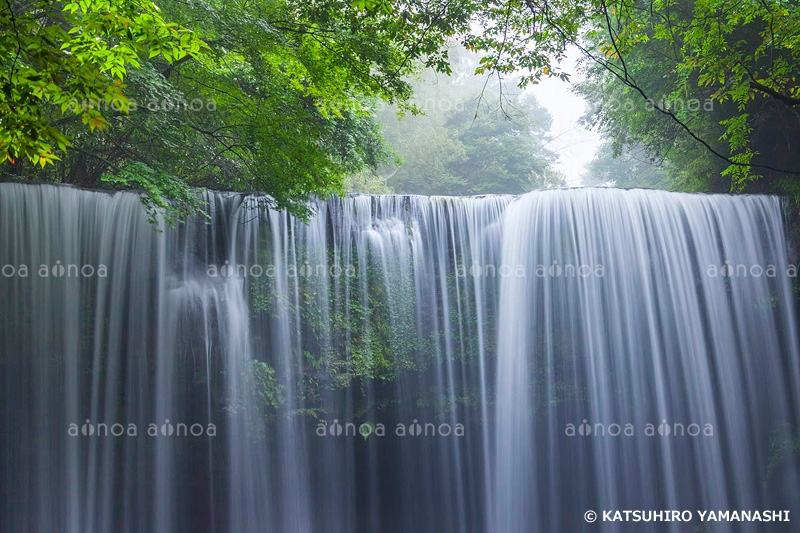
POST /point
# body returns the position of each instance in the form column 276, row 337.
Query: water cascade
column 395, row 363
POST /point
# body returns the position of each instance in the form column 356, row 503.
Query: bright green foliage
column 73, row 56
column 280, row 101
column 744, row 51
column 162, row 192
column 373, row 5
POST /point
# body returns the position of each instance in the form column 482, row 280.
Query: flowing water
column 397, row 363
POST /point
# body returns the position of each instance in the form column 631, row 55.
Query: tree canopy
column 266, row 95
column 282, row 97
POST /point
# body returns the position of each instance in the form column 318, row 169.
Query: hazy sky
column 574, row 144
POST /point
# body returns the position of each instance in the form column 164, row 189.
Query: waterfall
column 395, row 363
column 663, row 335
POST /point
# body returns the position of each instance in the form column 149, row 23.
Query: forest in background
column 472, row 136
column 296, row 100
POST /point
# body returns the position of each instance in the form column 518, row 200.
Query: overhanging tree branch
column 626, row 80
column 788, row 100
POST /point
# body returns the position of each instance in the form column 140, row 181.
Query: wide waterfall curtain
column 395, row 363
